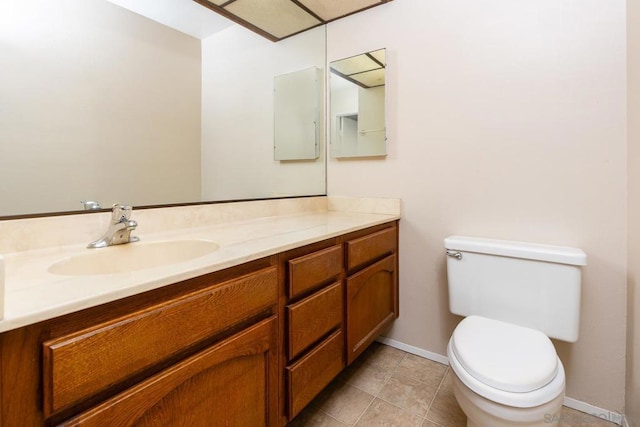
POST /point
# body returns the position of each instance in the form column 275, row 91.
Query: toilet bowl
column 482, row 412
column 515, row 296
column 505, row 375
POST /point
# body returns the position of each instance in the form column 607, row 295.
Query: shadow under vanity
column 251, row 344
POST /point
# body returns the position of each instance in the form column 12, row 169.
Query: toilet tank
column 532, row 285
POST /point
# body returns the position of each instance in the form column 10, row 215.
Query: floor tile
column 409, row 394
column 405, row 386
column 381, row 413
column 343, row 402
column 313, row 417
column 366, row 377
column 382, row 356
column 445, row 409
column 422, row 369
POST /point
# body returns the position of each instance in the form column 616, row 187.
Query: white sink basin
column 132, row 257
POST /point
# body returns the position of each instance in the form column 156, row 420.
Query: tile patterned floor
column 389, row 387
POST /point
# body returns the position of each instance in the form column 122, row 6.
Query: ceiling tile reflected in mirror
column 372, row 78
column 365, row 70
column 279, row 19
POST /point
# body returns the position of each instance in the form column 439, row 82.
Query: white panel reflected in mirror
column 358, row 127
column 296, row 115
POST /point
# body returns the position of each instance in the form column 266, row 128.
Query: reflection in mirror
column 297, row 121
column 238, row 119
column 102, row 104
column 358, row 106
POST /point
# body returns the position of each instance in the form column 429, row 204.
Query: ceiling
column 182, row 15
column 273, row 19
column 279, row 19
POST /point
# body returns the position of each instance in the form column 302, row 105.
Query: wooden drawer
column 230, row 383
column 368, row 248
column 307, row 377
column 85, row 363
column 308, row 271
column 313, row 317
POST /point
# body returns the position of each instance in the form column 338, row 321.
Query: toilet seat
column 506, row 363
column 503, row 355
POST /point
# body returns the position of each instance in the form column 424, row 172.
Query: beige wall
column 506, row 120
column 633, row 138
column 90, row 94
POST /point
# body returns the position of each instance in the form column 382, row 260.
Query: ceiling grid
column 279, row 19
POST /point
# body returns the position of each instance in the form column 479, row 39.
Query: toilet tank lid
column 533, row 251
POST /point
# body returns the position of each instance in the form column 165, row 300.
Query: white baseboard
column 604, row 414
column 414, row 350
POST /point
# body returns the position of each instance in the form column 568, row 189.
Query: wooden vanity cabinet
column 250, row 345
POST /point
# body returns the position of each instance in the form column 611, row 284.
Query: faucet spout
column 120, row 228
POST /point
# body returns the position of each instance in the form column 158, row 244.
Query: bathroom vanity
column 248, row 344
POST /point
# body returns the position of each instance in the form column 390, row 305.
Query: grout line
column 423, row 382
column 411, row 379
column 436, row 395
column 365, row 410
column 332, row 417
column 403, row 409
column 393, row 372
column 381, row 388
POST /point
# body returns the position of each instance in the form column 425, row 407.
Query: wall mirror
column 357, row 109
column 100, row 103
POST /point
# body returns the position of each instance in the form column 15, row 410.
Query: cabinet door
column 372, row 296
column 233, row 383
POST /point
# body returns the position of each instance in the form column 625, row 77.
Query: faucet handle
column 120, row 213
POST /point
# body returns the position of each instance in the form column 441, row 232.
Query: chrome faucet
column 90, row 205
column 119, row 231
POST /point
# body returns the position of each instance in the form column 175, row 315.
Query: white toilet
column 516, row 295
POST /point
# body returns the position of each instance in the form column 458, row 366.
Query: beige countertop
column 34, row 294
